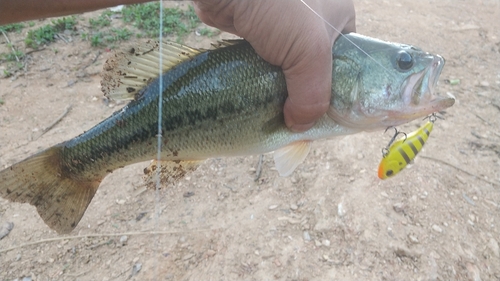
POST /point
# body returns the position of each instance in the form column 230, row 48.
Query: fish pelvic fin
column 127, row 72
column 60, row 199
column 289, row 157
column 170, row 172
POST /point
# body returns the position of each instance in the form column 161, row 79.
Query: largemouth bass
column 221, row 102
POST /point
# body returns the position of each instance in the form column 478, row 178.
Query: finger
column 309, row 87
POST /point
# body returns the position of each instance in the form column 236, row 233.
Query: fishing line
column 334, row 28
column 159, row 135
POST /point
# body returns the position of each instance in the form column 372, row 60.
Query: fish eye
column 404, row 60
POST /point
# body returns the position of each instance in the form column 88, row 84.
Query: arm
column 22, row 10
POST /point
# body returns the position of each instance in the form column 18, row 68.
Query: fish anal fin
column 170, row 172
column 126, row 72
column 59, row 199
column 289, row 157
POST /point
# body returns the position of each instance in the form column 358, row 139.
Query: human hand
column 288, row 34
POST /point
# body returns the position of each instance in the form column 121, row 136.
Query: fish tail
column 41, row 180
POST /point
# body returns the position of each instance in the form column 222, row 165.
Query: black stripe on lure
column 397, row 154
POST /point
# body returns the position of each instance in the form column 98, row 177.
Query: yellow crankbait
column 398, row 154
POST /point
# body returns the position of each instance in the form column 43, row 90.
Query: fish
column 220, row 102
column 403, row 151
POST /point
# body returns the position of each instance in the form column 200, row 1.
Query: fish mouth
column 419, row 95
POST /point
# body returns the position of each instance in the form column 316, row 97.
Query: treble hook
column 385, row 150
column 433, row 117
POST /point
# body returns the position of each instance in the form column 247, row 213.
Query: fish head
column 384, row 84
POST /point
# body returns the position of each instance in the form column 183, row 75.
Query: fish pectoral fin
column 60, row 199
column 289, row 157
column 126, row 72
column 170, row 172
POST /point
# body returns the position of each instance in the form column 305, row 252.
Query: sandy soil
column 332, row 219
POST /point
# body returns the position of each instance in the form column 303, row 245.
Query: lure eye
column 389, row 173
column 404, row 60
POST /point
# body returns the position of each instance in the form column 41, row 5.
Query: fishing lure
column 398, row 154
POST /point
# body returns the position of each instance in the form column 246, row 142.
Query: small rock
column 424, row 195
column 272, row 207
column 5, row 229
column 398, row 207
column 340, row 210
column 256, row 252
column 384, row 194
column 27, row 278
column 293, row 207
column 120, row 201
column 485, row 84
column 317, row 243
column 437, row 228
column 360, row 156
column 326, row 257
column 413, row 239
column 123, row 240
column 188, row 257
column 493, row 245
column 306, row 236
column 402, row 251
column 210, row 253
column 136, row 268
column 326, row 243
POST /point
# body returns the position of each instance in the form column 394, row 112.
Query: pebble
column 123, row 240
column 493, row 245
column 5, row 229
column 360, row 156
column 188, row 257
column 398, row 207
column 413, row 238
column 437, row 228
column 384, row 194
column 211, row 253
column 272, row 207
column 485, row 84
column 424, row 195
column 306, row 236
column 340, row 210
column 136, row 268
column 317, row 243
column 326, row 243
column 293, row 207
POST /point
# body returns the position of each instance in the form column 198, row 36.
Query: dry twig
column 46, row 129
column 55, row 239
column 460, row 169
column 10, row 44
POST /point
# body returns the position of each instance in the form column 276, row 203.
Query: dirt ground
column 333, row 219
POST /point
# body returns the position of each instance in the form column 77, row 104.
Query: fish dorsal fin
column 170, row 172
column 125, row 73
column 226, row 43
column 289, row 157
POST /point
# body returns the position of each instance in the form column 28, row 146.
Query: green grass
column 146, row 17
column 103, row 20
column 46, row 33
column 208, row 32
column 16, row 27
